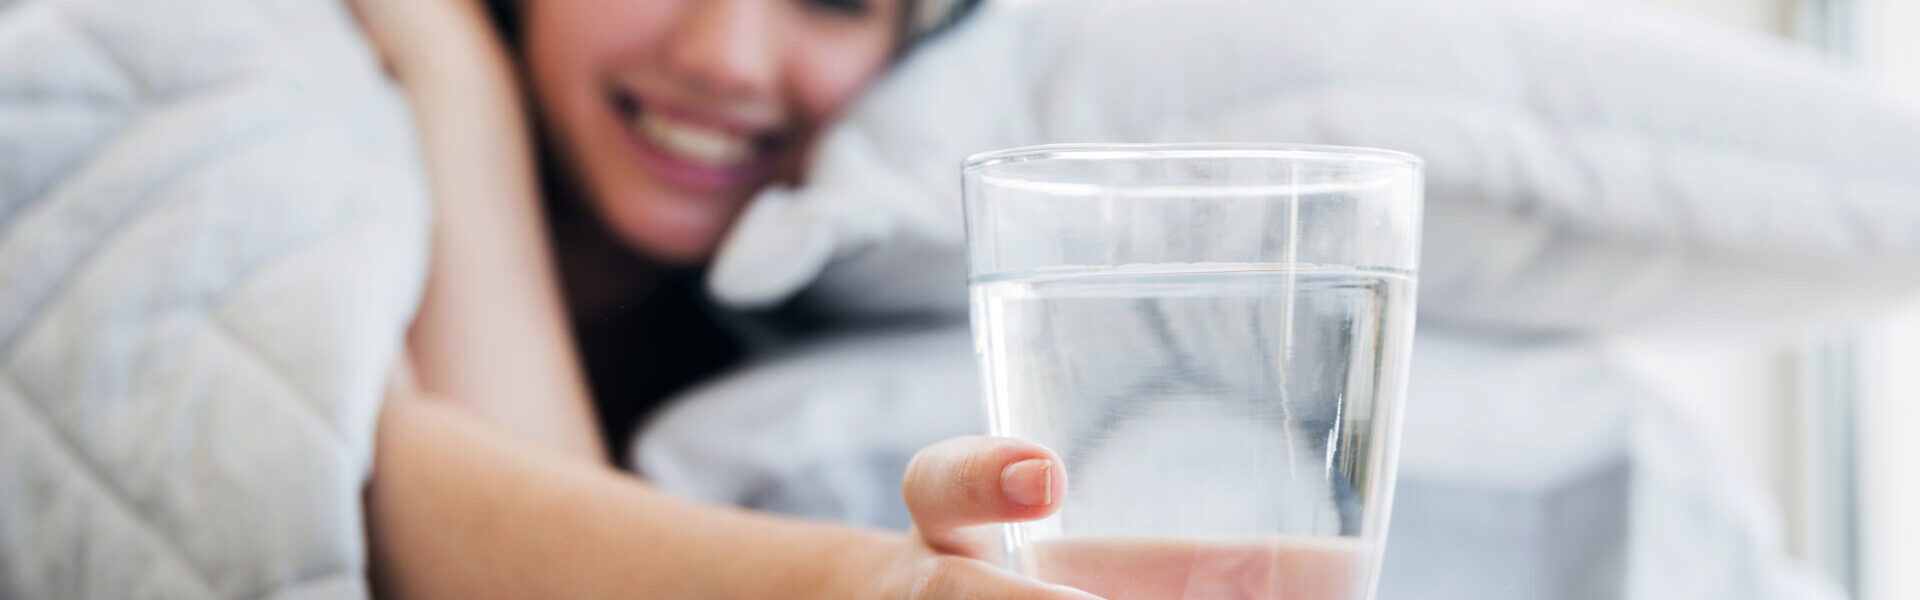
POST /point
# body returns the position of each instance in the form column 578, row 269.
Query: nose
column 725, row 48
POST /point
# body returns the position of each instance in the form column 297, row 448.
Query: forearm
column 490, row 335
column 459, row 511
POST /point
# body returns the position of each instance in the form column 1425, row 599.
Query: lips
column 694, row 149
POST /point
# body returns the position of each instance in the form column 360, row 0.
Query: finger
column 953, row 578
column 1142, row 569
column 978, row 480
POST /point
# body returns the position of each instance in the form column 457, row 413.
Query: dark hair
column 506, row 18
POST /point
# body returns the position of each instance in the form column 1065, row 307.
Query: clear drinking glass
column 1214, row 338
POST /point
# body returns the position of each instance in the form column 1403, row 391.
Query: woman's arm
column 457, row 510
column 490, row 335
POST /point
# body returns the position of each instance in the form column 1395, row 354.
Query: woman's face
column 672, row 113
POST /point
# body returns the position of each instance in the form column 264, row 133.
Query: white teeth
column 693, row 142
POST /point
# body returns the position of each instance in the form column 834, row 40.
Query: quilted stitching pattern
column 212, row 235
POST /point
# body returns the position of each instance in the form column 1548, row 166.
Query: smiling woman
column 672, row 113
column 660, row 118
column 663, row 117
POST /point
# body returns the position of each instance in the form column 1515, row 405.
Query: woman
column 664, row 117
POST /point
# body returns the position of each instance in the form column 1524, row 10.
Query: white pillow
column 1590, row 165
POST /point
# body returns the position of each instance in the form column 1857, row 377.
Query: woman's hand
column 956, row 491
column 411, row 35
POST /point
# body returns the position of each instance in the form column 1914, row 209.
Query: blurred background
column 1825, row 422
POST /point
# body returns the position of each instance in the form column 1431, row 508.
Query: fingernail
column 1028, row 482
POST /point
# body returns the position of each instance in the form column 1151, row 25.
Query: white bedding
column 212, row 235
column 1590, row 165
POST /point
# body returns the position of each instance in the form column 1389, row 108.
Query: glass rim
column 1110, row 151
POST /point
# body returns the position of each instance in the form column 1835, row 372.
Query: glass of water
column 1214, row 339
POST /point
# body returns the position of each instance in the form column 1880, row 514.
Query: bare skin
column 490, row 334
column 1152, row 569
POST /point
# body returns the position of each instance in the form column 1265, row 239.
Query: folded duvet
column 212, row 235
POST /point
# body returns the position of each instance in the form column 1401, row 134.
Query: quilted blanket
column 213, row 231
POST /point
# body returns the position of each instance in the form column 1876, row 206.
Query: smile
column 690, row 142
column 699, row 151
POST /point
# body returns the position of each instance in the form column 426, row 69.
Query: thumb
column 978, row 480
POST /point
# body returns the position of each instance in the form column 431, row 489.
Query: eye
column 844, row 8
